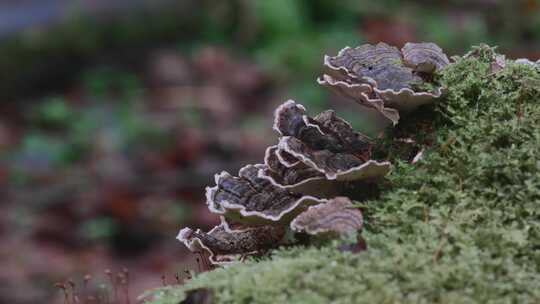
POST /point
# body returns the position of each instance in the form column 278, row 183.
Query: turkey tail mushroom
column 384, row 78
column 249, row 199
column 225, row 247
column 326, row 144
column 336, row 218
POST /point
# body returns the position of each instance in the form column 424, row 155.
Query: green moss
column 461, row 226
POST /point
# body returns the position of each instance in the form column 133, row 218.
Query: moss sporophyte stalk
column 459, row 225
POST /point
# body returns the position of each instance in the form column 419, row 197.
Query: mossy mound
column 460, row 226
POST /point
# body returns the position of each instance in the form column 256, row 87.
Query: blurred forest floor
column 114, row 120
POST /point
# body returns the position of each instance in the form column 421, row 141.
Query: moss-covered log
column 462, row 225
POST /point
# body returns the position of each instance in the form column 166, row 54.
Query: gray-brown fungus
column 361, row 93
column 336, row 217
column 299, row 178
column 249, row 199
column 425, row 57
column 316, row 159
column 325, row 143
column 384, row 78
column 224, row 246
column 338, row 166
column 325, row 131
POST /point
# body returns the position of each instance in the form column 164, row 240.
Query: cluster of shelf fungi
column 300, row 187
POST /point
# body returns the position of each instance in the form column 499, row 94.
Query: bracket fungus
column 335, row 166
column 249, row 199
column 299, row 187
column 324, row 131
column 424, row 57
column 325, row 143
column 384, row 78
column 313, row 161
column 336, row 217
column 225, row 247
column 297, row 177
